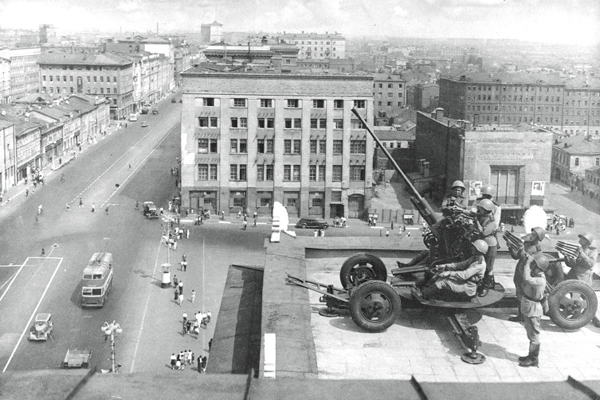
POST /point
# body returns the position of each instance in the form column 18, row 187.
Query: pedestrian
column 199, row 361
column 387, row 233
column 173, row 360
column 255, row 220
column 80, row 202
column 187, row 233
column 245, row 223
column 193, row 296
column 130, row 166
column 106, row 210
column 392, row 226
column 175, row 245
column 532, row 309
column 26, row 192
column 176, row 295
column 209, row 344
column 204, row 362
column 137, row 205
column 188, row 359
column 316, row 233
column 175, row 282
column 182, row 358
column 185, row 318
column 93, row 207
column 180, row 299
column 180, row 286
column 192, row 358
column 68, row 207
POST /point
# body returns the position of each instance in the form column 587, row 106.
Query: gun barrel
column 419, row 202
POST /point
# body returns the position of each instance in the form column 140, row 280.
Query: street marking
column 137, row 343
column 34, row 312
column 13, row 279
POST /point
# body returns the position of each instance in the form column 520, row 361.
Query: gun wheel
column 572, row 304
column 361, row 268
column 374, row 306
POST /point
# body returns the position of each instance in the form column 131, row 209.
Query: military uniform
column 531, row 308
column 450, row 200
column 581, row 267
column 463, row 277
column 488, row 233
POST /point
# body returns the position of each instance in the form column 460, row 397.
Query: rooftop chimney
column 438, row 114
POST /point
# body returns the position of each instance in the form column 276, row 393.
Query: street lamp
column 110, row 330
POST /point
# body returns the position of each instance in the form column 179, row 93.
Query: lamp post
column 110, row 330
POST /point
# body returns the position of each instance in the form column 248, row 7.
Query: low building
column 571, row 157
column 317, row 45
column 211, row 33
column 249, row 139
column 389, row 95
column 426, row 96
column 8, row 176
column 24, row 71
column 399, row 141
column 515, row 159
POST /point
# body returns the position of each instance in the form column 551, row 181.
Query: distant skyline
column 575, row 22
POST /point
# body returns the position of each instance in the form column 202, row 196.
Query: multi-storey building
column 106, row 75
column 317, row 46
column 4, row 80
column 569, row 105
column 572, row 156
column 389, row 95
column 283, row 56
column 24, row 71
column 211, row 33
column 515, row 159
column 8, row 155
column 251, row 139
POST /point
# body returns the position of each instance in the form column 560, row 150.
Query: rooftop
column 83, row 59
column 526, row 78
column 579, row 144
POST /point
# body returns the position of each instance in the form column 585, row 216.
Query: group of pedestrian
column 181, row 359
column 178, row 295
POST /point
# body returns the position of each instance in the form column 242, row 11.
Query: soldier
column 581, row 266
column 461, row 277
column 455, row 198
column 531, row 245
column 534, row 284
column 487, row 228
column 487, row 193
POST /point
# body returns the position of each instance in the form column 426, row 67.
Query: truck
column 133, row 117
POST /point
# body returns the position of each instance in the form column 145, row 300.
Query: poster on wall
column 537, row 188
column 475, row 189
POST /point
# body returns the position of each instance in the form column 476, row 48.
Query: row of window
column 291, row 172
column 511, row 98
column 71, row 89
column 289, row 123
column 390, row 85
column 290, row 146
column 515, row 88
column 390, row 94
column 89, row 78
column 389, row 103
column 289, row 103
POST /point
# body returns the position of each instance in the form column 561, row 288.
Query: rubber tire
column 559, row 292
column 386, row 293
column 378, row 267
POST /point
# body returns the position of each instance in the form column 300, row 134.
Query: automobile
column 42, row 327
column 154, row 111
column 150, row 210
column 144, row 124
column 145, row 110
column 76, row 358
column 173, row 100
column 312, row 223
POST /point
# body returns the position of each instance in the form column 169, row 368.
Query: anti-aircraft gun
column 451, row 234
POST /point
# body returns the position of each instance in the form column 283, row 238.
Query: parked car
column 150, row 210
column 42, row 327
column 312, row 223
column 154, row 111
column 173, row 100
column 144, row 124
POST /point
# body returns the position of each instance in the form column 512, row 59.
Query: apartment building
column 249, row 139
column 389, row 95
column 571, row 105
column 105, row 75
column 24, row 71
column 4, row 80
column 317, row 46
column 211, row 33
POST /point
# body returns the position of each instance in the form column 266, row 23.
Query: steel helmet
column 481, row 246
column 587, row 236
column 539, row 232
column 541, row 260
column 458, row 184
column 487, row 189
column 486, row 204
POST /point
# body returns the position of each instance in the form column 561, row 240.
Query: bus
column 97, row 280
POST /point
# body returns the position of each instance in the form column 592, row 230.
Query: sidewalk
column 16, row 194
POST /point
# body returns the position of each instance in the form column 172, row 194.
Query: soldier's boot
column 483, row 288
column 517, row 318
column 532, row 360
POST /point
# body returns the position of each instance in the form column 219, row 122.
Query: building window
column 207, row 146
column 357, row 173
column 357, row 124
column 260, row 172
column 239, row 102
column 337, row 147
column 336, row 173
column 296, row 173
column 207, row 172
column 297, row 146
column 295, row 123
column 238, row 146
column 313, row 147
column 287, row 146
column 360, row 103
column 293, row 103
column 240, row 122
column 506, row 181
column 338, row 104
column 267, row 103
column 358, row 146
column 237, row 172
column 269, row 176
column 336, row 196
column 208, row 102
column 576, row 161
column 318, row 123
column 266, row 122
column 208, row 122
column 287, row 173
column 318, row 103
column 312, row 173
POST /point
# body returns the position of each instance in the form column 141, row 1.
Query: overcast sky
column 554, row 21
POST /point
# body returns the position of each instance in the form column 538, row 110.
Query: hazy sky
column 554, row 21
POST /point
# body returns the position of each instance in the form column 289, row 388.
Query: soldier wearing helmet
column 459, row 278
column 531, row 246
column 534, row 284
column 455, row 198
column 581, row 266
column 487, row 231
column 487, row 192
